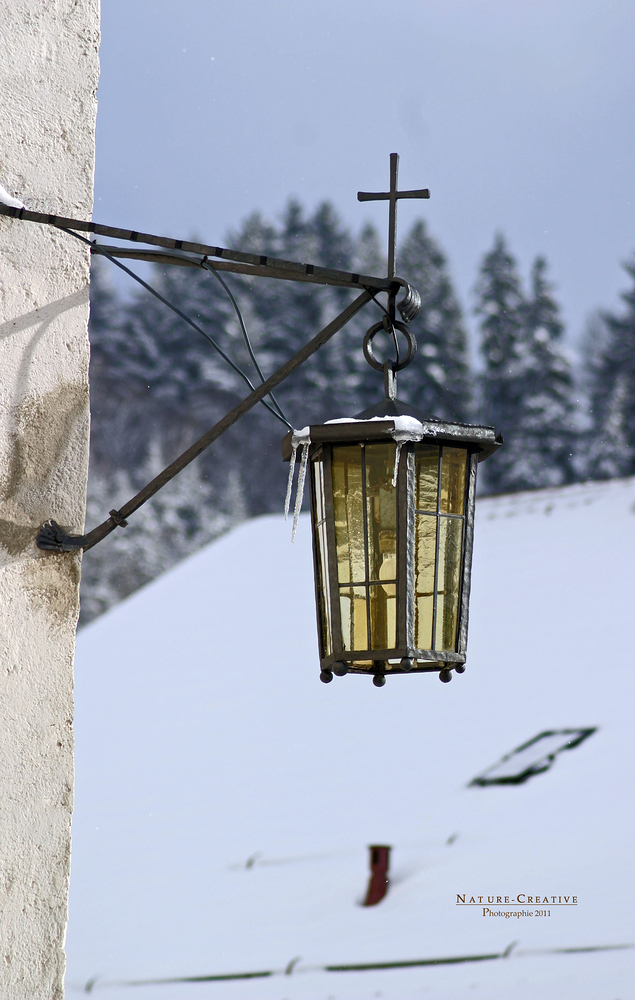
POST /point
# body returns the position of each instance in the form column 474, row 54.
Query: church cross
column 392, row 196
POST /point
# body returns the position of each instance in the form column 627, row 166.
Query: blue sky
column 518, row 114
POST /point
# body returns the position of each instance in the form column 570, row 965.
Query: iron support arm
column 259, row 264
column 313, row 275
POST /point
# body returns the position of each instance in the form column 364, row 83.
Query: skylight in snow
column 533, row 757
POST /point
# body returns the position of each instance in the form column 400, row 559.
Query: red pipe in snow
column 378, row 883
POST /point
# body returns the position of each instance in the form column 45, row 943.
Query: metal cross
column 392, row 196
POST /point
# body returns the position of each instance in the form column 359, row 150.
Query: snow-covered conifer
column 547, row 413
column 501, row 307
column 437, row 381
column 610, row 377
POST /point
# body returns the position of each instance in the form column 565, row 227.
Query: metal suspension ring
column 389, row 328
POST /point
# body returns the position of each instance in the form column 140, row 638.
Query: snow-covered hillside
column 225, row 797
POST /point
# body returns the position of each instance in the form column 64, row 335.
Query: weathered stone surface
column 48, row 83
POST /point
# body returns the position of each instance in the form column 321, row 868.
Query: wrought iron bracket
column 51, row 536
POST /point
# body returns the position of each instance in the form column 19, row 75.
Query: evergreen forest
column 156, row 385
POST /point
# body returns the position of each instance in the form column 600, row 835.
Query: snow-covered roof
column 225, row 797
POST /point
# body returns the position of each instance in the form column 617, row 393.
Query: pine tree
column 547, row 416
column 610, row 375
column 368, row 256
column 285, row 315
column 502, row 308
column 527, row 382
column 115, row 367
column 361, row 386
column 438, row 381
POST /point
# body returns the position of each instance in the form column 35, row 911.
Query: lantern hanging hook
column 390, row 367
column 386, row 325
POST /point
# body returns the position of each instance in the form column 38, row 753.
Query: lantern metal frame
column 378, row 424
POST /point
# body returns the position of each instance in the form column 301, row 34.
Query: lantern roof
column 392, row 418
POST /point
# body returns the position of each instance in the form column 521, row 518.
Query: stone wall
column 48, row 91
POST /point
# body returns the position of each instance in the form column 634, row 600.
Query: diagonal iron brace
column 54, row 538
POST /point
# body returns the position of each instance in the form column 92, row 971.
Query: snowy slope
column 225, row 797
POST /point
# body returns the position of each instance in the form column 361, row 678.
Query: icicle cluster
column 302, row 439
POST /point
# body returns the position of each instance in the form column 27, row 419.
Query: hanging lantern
column 392, row 509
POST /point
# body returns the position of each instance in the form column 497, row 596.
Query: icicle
column 396, row 470
column 298, row 438
column 300, row 491
column 405, row 429
column 287, row 499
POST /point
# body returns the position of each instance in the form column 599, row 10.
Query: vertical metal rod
column 320, row 558
column 436, row 555
column 366, row 536
column 468, row 542
column 337, row 640
column 405, row 550
column 392, row 218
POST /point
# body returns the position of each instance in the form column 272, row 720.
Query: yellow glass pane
column 453, row 464
column 425, row 554
column 448, row 580
column 381, row 512
column 426, row 476
column 424, row 608
column 354, row 620
column 383, row 616
column 349, row 510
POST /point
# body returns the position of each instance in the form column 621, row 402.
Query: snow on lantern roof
column 399, row 421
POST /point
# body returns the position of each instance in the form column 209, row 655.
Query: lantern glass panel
column 365, row 507
column 425, row 557
column 448, row 582
column 354, row 615
column 324, row 589
column 348, row 502
column 452, row 497
column 383, row 616
column 427, row 476
column 381, row 513
column 440, row 477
